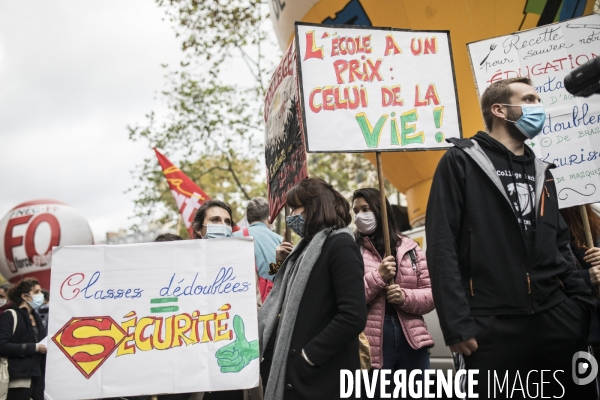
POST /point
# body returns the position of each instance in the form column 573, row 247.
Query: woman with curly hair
column 21, row 329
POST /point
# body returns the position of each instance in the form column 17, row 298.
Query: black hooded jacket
column 20, row 347
column 517, row 174
column 477, row 250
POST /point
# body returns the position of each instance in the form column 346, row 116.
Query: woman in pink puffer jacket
column 395, row 328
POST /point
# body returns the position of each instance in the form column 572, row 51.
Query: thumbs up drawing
column 236, row 355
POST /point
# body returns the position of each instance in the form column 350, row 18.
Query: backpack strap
column 461, row 143
column 413, row 259
column 15, row 318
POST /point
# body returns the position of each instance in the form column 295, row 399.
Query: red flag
column 188, row 196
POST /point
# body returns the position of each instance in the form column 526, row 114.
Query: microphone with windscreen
column 584, row 81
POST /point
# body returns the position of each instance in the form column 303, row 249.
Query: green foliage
column 226, row 177
column 211, row 129
column 214, row 130
column 214, row 31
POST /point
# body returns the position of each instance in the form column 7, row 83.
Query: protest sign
column 285, row 153
column 570, row 138
column 376, row 89
column 170, row 317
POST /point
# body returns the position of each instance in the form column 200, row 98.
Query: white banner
column 571, row 135
column 152, row 318
column 376, row 89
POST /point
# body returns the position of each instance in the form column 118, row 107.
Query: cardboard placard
column 152, row 318
column 285, row 152
column 376, row 89
column 570, row 138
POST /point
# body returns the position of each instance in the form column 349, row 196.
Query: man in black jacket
column 504, row 283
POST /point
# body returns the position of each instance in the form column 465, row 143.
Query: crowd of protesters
column 511, row 280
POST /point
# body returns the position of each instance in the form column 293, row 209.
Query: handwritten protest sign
column 171, row 317
column 285, row 153
column 571, row 135
column 376, row 89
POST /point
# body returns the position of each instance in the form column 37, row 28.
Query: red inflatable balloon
column 29, row 232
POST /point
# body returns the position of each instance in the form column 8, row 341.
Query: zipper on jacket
column 545, row 193
column 543, row 198
column 529, row 293
column 469, row 263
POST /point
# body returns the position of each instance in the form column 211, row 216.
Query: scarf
column 284, row 300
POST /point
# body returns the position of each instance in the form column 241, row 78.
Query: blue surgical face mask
column 532, row 121
column 296, row 223
column 214, row 231
column 36, row 301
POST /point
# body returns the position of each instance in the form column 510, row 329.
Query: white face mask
column 2, row 302
column 366, row 222
column 36, row 301
column 214, row 231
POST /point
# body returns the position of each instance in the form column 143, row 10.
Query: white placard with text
column 152, row 318
column 376, row 89
column 570, row 138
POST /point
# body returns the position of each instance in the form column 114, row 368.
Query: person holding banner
column 396, row 331
column 214, row 219
column 506, row 291
column 19, row 341
column 310, row 322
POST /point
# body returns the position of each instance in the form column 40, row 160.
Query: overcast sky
column 73, row 75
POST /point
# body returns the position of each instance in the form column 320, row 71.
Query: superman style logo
column 88, row 342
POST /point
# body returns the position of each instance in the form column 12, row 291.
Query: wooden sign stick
column 288, row 232
column 384, row 215
column 586, row 226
